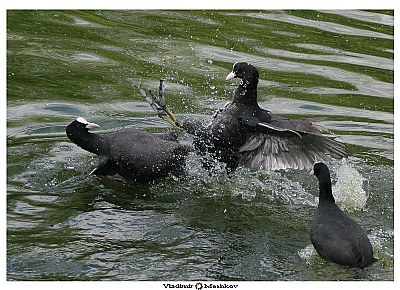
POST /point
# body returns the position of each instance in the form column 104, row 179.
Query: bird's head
column 244, row 71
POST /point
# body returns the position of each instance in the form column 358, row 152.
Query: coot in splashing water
column 130, row 154
column 335, row 236
column 243, row 134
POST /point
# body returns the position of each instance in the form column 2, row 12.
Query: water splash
column 382, row 242
column 307, row 254
column 271, row 185
column 348, row 190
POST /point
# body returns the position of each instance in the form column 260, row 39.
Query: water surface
column 63, row 224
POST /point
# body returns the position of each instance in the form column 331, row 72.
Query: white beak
column 88, row 125
column 312, row 172
column 231, row 75
column 92, row 125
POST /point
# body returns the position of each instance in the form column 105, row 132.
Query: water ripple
column 335, row 55
column 365, row 85
column 364, row 16
column 64, row 224
column 288, row 106
column 322, row 25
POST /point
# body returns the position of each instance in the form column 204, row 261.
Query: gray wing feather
column 271, row 128
column 274, row 152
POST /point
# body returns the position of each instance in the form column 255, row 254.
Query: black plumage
column 335, row 236
column 244, row 134
column 130, row 154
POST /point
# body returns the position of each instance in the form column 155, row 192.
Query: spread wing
column 278, row 148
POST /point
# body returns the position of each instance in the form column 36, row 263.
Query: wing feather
column 272, row 152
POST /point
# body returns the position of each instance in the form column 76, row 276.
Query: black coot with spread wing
column 244, row 134
column 130, row 154
column 335, row 236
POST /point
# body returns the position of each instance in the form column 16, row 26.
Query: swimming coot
column 244, row 134
column 335, row 236
column 130, row 154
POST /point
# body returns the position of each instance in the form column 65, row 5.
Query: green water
column 63, row 224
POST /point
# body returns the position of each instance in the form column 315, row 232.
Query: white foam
column 307, row 254
column 348, row 190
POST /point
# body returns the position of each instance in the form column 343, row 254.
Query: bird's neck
column 246, row 92
column 325, row 191
column 86, row 140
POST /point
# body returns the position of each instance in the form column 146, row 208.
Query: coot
column 244, row 134
column 335, row 236
column 130, row 154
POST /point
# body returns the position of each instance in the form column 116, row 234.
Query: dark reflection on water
column 62, row 224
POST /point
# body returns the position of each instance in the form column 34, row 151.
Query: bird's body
column 334, row 235
column 244, row 134
column 130, row 154
column 229, row 130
